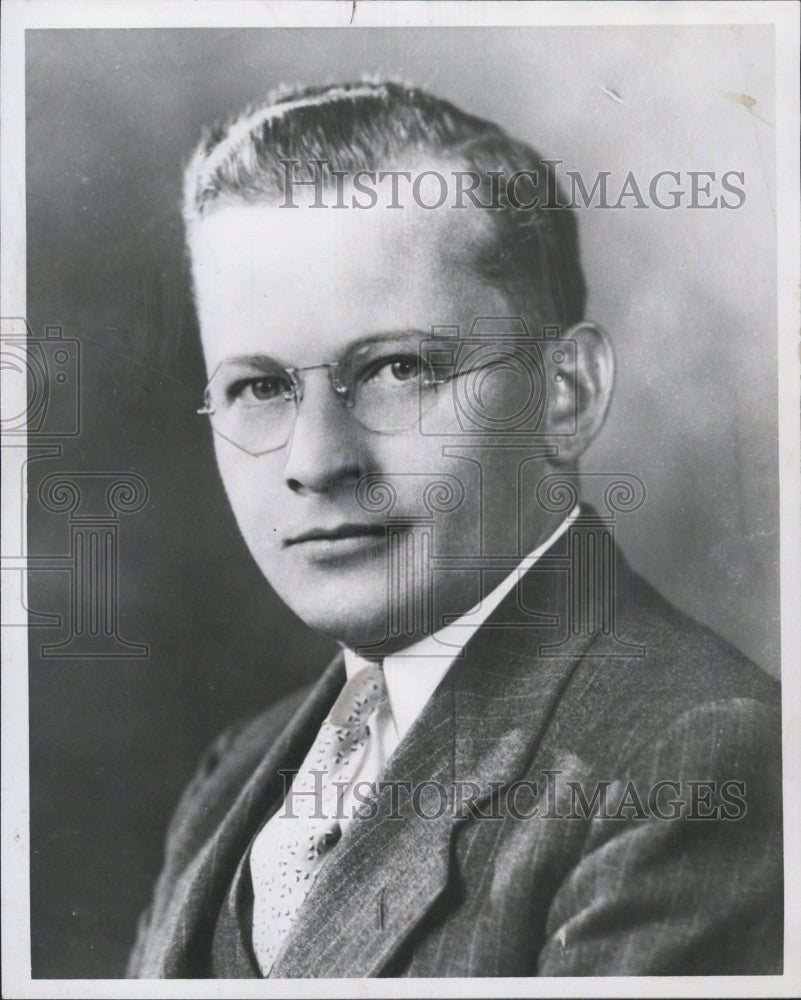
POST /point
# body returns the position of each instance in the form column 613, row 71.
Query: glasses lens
column 253, row 409
column 390, row 386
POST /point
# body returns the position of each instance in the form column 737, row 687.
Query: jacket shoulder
column 222, row 773
column 627, row 701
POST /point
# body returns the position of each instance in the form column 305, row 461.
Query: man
column 524, row 761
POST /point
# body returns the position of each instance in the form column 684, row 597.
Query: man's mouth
column 342, row 536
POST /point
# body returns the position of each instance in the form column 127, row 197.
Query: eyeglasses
column 387, row 385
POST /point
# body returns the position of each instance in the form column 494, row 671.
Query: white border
column 17, row 15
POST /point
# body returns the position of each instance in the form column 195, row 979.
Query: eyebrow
column 265, row 360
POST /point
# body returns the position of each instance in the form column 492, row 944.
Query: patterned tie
column 290, row 850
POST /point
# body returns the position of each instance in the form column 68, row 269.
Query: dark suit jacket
column 490, row 889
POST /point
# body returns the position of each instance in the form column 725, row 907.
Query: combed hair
column 533, row 254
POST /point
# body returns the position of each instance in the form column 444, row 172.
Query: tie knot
column 359, row 697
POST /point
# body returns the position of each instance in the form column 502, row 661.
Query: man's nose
column 325, row 447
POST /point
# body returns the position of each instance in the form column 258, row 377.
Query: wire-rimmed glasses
column 387, row 385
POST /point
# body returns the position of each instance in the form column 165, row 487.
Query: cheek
column 437, row 487
column 252, row 485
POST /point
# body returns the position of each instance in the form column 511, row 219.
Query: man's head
column 301, row 287
column 533, row 254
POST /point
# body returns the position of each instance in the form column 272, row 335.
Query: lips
column 340, row 533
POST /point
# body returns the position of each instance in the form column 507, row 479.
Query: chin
column 346, row 623
column 348, row 607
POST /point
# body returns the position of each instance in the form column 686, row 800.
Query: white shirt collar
column 413, row 673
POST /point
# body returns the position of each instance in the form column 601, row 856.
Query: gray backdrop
column 687, row 295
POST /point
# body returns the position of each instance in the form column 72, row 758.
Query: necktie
column 289, row 851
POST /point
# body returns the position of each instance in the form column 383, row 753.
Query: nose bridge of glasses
column 333, row 371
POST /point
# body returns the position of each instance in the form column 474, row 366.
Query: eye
column 261, row 389
column 398, row 368
column 406, row 368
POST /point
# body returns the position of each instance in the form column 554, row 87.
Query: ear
column 578, row 401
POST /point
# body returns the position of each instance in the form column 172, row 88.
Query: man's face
column 301, row 287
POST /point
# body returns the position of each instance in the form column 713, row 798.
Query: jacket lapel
column 180, row 939
column 480, row 728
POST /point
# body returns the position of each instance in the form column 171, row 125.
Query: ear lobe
column 579, row 400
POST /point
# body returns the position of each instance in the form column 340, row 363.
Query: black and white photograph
column 401, row 562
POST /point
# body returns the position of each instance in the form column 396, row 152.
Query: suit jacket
column 517, row 875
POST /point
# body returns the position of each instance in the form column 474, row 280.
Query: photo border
column 19, row 15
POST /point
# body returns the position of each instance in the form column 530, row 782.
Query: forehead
column 304, row 283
